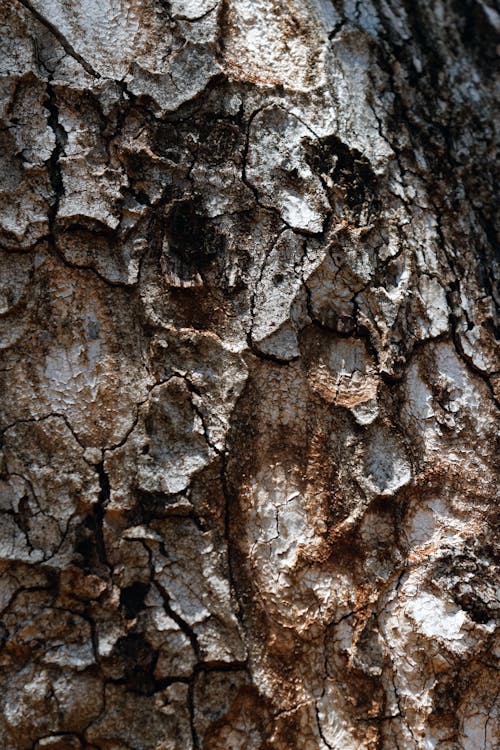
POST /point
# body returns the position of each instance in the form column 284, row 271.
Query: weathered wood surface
column 249, row 375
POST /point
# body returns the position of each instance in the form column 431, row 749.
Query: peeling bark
column 249, row 375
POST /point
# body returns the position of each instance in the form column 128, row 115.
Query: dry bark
column 249, row 375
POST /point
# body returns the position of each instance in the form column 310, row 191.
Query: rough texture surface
column 249, row 377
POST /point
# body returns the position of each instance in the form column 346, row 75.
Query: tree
column 249, row 375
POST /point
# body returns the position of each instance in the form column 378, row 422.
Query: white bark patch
column 278, row 170
column 178, row 447
column 273, row 44
column 386, row 466
column 280, row 529
column 276, row 290
column 53, row 490
column 194, row 576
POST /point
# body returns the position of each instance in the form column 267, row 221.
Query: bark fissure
column 249, row 334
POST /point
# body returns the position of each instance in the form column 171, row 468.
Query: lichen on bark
column 249, row 372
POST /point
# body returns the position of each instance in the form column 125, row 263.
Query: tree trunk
column 249, row 375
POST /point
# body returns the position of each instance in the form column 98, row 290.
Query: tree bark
column 249, row 375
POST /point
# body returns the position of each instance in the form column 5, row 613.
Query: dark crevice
column 138, row 659
column 90, row 544
column 132, row 598
column 337, row 28
column 53, row 165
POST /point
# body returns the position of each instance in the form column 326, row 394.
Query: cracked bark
column 249, row 375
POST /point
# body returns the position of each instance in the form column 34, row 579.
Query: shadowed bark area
column 250, row 379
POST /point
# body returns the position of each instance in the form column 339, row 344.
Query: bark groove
column 248, row 321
